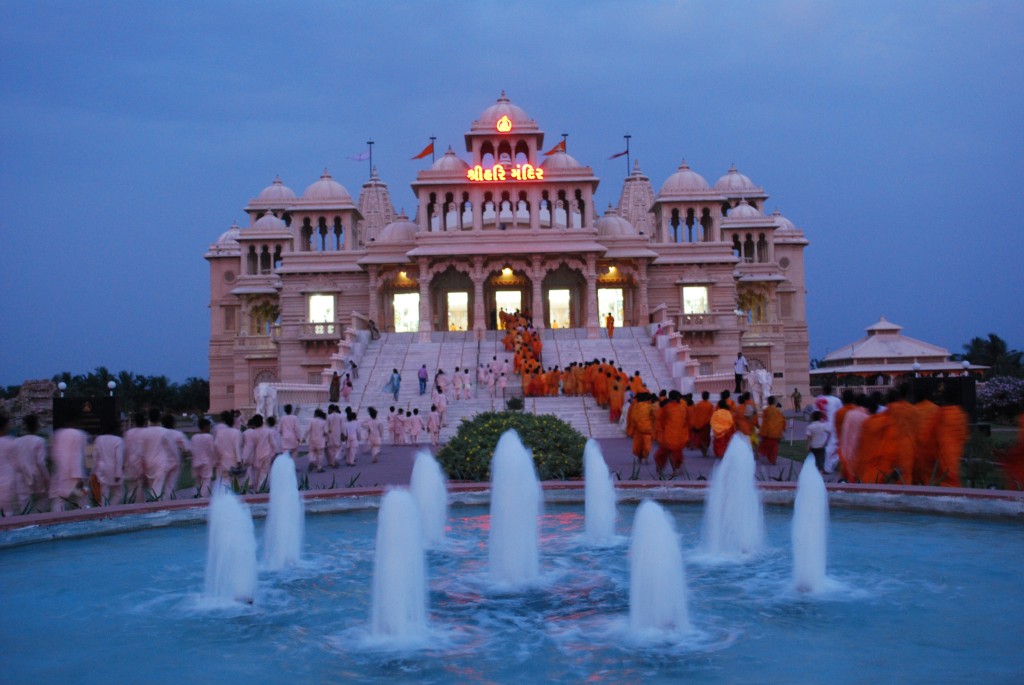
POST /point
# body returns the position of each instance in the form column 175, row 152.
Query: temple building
column 884, row 358
column 511, row 225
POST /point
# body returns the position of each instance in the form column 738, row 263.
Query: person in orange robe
column 674, row 432
column 636, row 384
column 925, row 450
column 722, row 428
column 904, row 422
column 700, row 423
column 601, row 389
column 742, row 416
column 616, row 398
column 659, row 402
column 1012, row 460
column 951, row 433
column 609, row 324
column 849, row 402
column 772, row 426
column 641, row 427
column 536, row 387
column 876, row 457
column 853, row 423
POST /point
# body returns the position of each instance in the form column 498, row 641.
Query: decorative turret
column 376, row 208
column 636, row 200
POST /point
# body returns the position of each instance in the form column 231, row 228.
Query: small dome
column 503, row 107
column 744, row 210
column 611, row 225
column 276, row 191
column 783, row 223
column 401, row 230
column 450, row 162
column 268, row 222
column 560, row 160
column 684, row 180
column 327, row 189
column 734, row 181
column 229, row 238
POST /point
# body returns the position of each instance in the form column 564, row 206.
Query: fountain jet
column 282, row 542
column 428, row 488
column 657, row 581
column 733, row 515
column 513, row 545
column 810, row 530
column 399, row 571
column 231, row 549
column 599, row 496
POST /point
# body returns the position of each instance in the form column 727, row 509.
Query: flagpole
column 564, row 137
column 628, row 167
column 433, row 148
column 370, row 144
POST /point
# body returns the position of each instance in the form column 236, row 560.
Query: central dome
column 518, row 118
column 327, row 189
column 685, row 180
column 276, row 191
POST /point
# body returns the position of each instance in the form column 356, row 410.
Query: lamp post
column 917, row 369
column 110, row 386
column 967, row 368
column 62, row 386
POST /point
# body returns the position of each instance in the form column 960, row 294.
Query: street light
column 62, row 386
column 967, row 368
column 110, row 386
column 917, row 369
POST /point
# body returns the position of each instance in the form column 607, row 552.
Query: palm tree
column 994, row 353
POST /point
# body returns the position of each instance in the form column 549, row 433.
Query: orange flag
column 558, row 148
column 428, row 150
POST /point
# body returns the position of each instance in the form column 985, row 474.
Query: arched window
column 545, row 210
column 737, row 249
column 265, row 260
column 705, row 225
column 522, row 152
column 466, row 213
column 339, row 234
column 675, row 225
column 748, row 249
column 561, row 210
column 451, row 215
column 762, row 248
column 505, row 209
column 522, row 209
column 252, row 261
column 322, row 224
column 307, row 236
column 489, row 209
column 434, row 220
column 487, row 155
column 277, row 257
column 691, row 221
column 579, row 210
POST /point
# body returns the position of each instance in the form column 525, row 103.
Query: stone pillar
column 537, row 279
column 425, row 309
column 373, row 302
column 643, row 314
column 534, row 197
column 593, row 327
column 479, row 317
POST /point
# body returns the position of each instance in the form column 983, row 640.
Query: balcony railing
column 320, row 331
column 697, row 322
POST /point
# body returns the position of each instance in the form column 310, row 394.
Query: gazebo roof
column 885, row 341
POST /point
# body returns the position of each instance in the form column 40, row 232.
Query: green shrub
column 557, row 447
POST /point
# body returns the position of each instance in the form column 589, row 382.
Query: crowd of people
column 890, row 439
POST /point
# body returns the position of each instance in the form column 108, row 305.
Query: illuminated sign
column 520, row 172
column 504, row 124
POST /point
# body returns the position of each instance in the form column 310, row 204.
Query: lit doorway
column 610, row 301
column 507, row 300
column 407, row 312
column 558, row 309
column 458, row 311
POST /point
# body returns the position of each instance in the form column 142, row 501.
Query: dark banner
column 95, row 415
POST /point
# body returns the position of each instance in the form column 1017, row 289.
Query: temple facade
column 508, row 226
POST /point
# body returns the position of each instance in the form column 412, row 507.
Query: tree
column 994, row 353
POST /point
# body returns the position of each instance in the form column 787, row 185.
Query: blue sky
column 133, row 134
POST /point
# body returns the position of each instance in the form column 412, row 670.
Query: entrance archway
column 509, row 301
column 563, row 297
column 406, row 307
column 611, row 301
column 451, row 299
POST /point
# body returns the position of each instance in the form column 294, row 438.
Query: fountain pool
column 910, row 598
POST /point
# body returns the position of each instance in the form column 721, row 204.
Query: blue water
column 912, row 599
